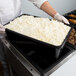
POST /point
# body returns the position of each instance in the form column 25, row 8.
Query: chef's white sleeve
column 38, row 3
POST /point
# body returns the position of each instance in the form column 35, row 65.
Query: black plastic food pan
column 74, row 46
column 42, row 58
column 23, row 37
column 69, row 17
column 72, row 12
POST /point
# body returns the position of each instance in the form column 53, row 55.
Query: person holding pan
column 9, row 9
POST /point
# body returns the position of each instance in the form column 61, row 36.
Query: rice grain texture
column 52, row 32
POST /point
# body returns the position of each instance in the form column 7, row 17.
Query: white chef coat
column 9, row 9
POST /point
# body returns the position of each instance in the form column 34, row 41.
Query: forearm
column 48, row 9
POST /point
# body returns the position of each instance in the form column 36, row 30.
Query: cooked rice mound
column 52, row 32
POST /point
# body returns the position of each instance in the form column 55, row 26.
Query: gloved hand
column 2, row 29
column 61, row 18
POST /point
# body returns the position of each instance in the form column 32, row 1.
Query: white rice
column 43, row 29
